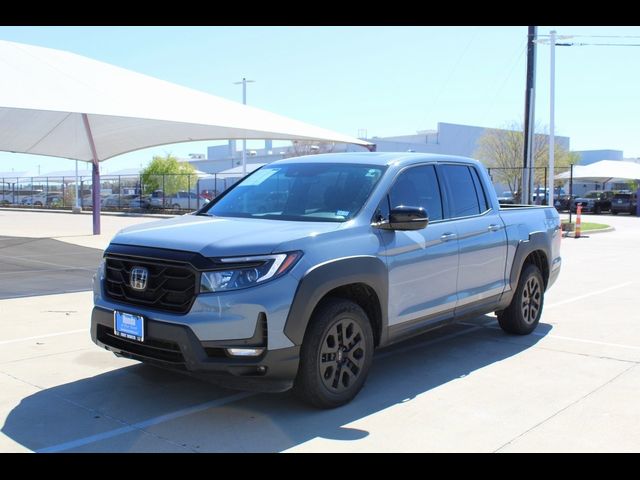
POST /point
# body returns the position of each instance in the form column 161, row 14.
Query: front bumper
column 176, row 347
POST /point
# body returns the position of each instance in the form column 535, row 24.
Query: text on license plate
column 128, row 325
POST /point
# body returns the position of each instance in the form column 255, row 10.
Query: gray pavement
column 573, row 385
column 44, row 266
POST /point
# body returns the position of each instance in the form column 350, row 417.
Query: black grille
column 151, row 348
column 171, row 286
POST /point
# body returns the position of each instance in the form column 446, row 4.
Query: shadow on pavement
column 102, row 404
column 44, row 266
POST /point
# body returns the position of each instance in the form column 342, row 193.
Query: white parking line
column 37, row 337
column 215, row 403
column 586, row 295
column 561, row 337
column 145, row 424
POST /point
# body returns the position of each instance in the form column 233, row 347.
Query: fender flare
column 537, row 241
column 321, row 279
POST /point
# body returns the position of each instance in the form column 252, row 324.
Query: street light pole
column 552, row 95
column 529, row 117
column 244, row 140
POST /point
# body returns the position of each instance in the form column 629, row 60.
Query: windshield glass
column 318, row 192
column 592, row 195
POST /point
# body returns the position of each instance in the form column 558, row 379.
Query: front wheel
column 522, row 315
column 336, row 354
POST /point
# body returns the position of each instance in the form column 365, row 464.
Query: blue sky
column 385, row 80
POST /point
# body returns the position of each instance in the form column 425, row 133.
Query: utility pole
column 244, row 140
column 552, row 95
column 529, row 116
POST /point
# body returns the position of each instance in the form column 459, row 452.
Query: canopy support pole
column 95, row 177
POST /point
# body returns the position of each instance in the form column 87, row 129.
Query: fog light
column 245, row 352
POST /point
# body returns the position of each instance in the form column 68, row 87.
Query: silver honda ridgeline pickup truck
column 295, row 275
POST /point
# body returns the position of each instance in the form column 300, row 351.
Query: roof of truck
column 375, row 158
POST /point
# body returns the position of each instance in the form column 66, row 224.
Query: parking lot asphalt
column 43, row 266
column 573, row 385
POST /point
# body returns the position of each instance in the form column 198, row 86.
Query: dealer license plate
column 128, row 326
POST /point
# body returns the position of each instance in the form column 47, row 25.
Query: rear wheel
column 614, row 212
column 336, row 354
column 522, row 315
column 597, row 210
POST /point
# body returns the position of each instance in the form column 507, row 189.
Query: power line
column 511, row 68
column 445, row 84
column 592, row 36
column 598, row 44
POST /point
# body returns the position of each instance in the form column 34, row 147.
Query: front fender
column 321, row 279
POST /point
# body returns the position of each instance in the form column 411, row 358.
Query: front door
column 423, row 264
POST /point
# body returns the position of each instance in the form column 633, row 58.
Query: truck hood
column 220, row 236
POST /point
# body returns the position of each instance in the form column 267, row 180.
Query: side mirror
column 406, row 218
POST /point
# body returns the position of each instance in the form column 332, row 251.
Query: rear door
column 482, row 239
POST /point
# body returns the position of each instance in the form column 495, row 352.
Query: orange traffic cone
column 578, row 223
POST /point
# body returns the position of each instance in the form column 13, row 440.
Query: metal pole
column 244, row 140
column 529, row 116
column 552, row 94
column 570, row 189
column 77, row 187
column 95, row 177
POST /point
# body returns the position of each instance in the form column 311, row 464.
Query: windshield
column 592, row 195
column 318, row 192
column 507, row 194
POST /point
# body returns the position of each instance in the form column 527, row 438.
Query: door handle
column 494, row 227
column 445, row 237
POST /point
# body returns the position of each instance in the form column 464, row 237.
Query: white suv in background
column 185, row 201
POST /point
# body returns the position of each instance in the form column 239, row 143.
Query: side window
column 418, row 187
column 461, row 191
column 482, row 197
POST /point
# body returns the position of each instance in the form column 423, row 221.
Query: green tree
column 502, row 150
column 168, row 174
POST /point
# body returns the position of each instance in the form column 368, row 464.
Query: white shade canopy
column 604, row 171
column 60, row 104
column 43, row 93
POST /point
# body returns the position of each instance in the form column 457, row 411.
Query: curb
column 589, row 232
column 115, row 214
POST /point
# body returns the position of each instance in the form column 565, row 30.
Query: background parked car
column 185, row 200
column 564, row 202
column 156, row 199
column 596, row 201
column 625, row 203
column 507, row 198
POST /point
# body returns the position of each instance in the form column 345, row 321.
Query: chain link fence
column 160, row 193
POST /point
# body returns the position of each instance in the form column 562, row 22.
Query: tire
column 614, row 212
column 597, row 210
column 327, row 377
column 521, row 317
column 175, row 206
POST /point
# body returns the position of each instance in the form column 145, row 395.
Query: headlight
column 247, row 271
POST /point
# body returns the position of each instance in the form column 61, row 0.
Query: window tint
column 418, row 187
column 482, row 198
column 462, row 197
